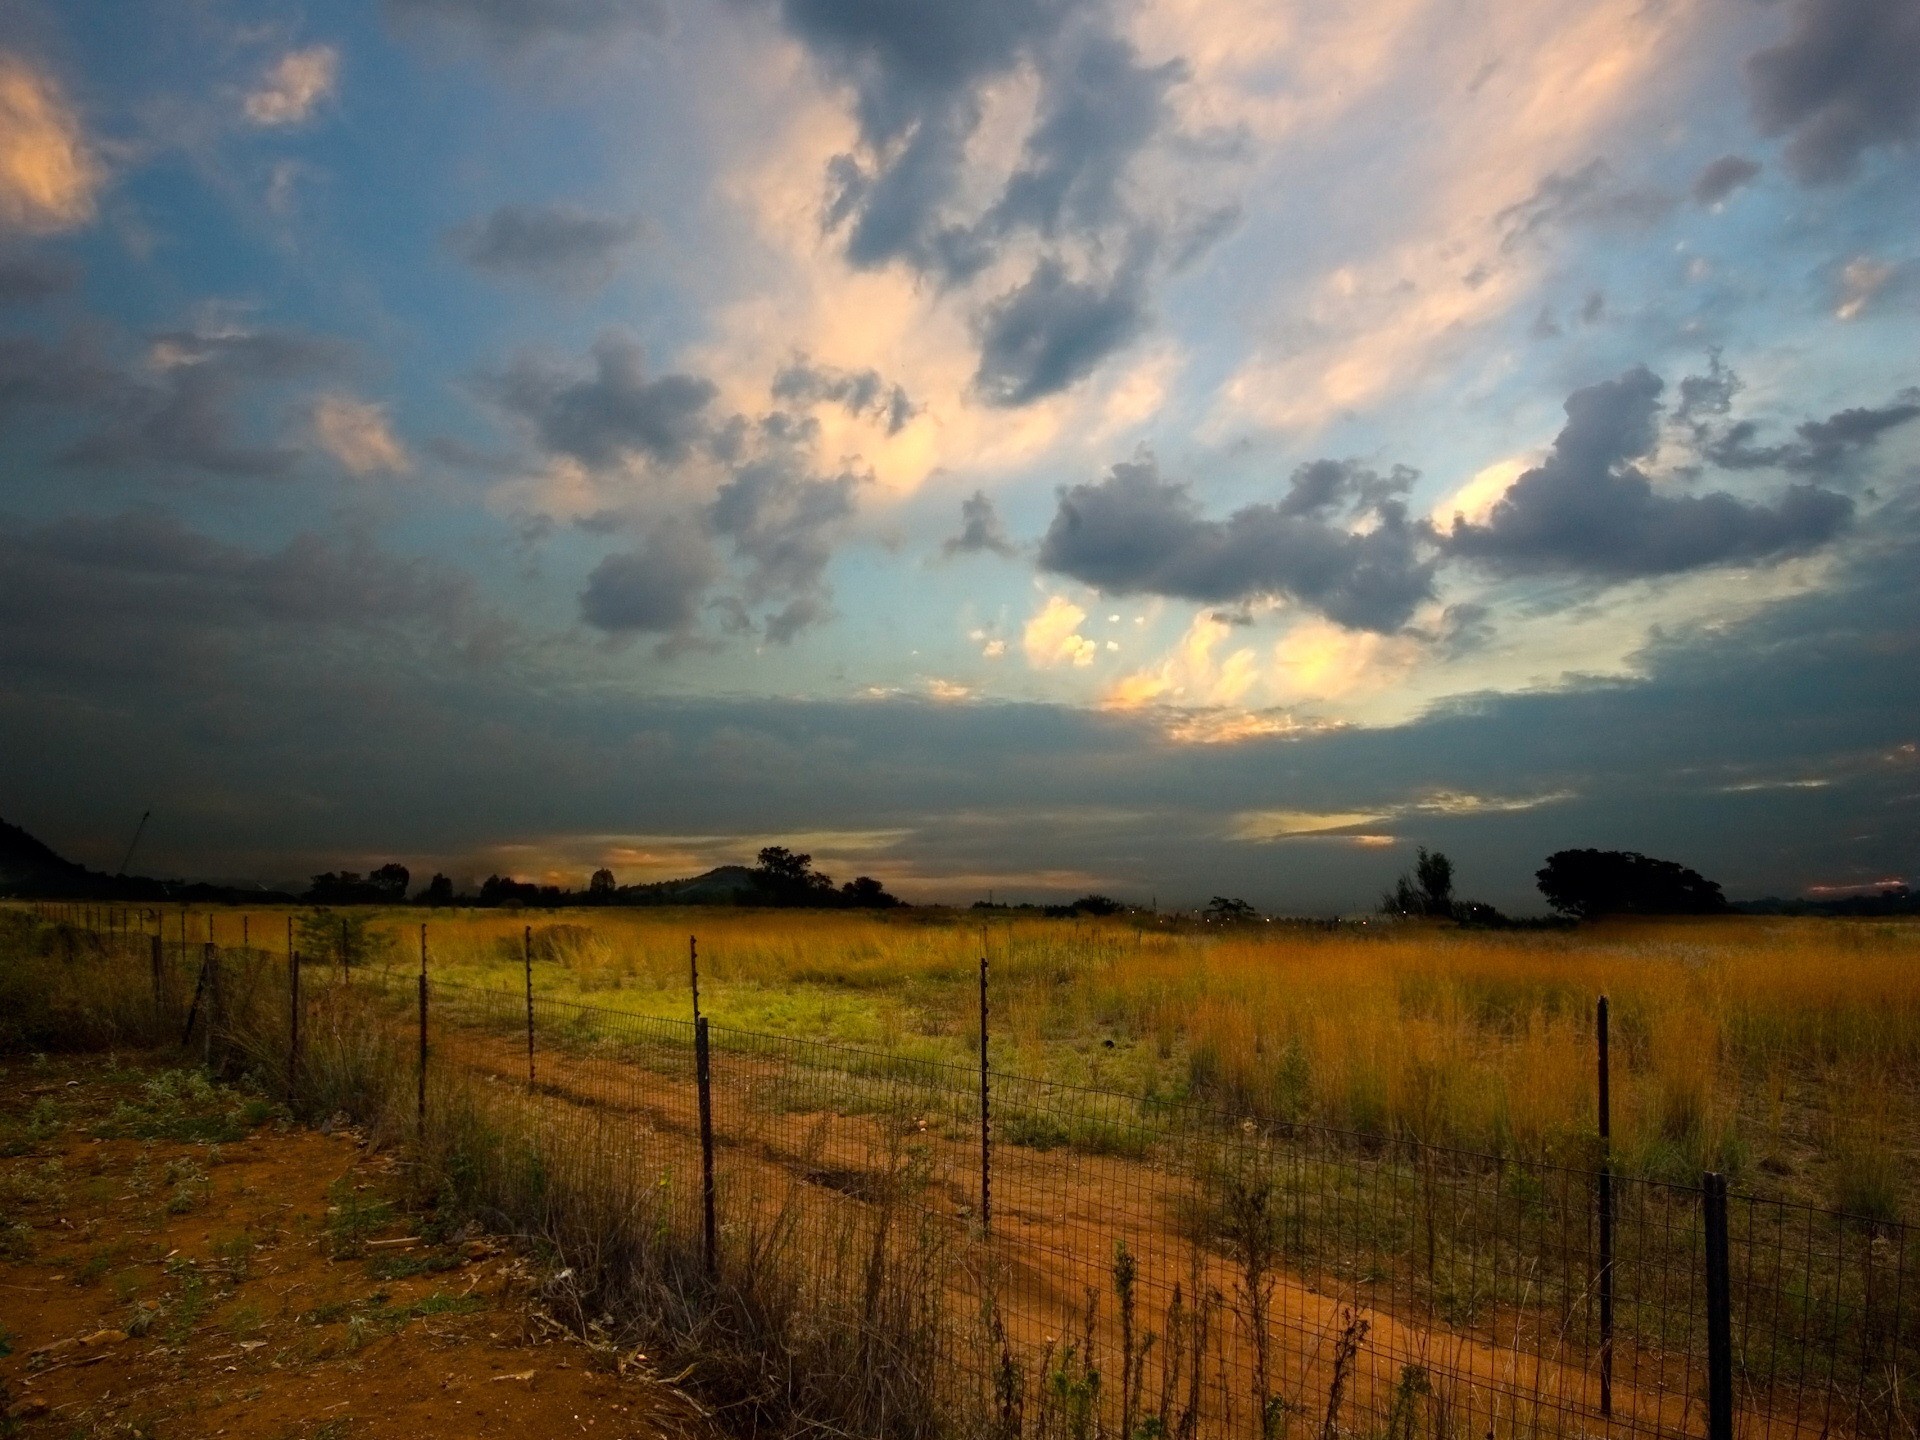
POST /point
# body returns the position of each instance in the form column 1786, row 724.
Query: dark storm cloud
column 1841, row 83
column 558, row 245
column 1720, row 178
column 176, row 412
column 656, row 588
column 858, row 392
column 1053, row 330
column 612, row 413
column 1136, row 532
column 1589, row 510
column 1103, row 108
column 142, row 590
column 281, row 752
column 1824, row 448
column 917, row 74
column 518, row 23
column 980, row 529
column 1587, row 196
column 907, row 62
column 783, row 521
column 25, row 278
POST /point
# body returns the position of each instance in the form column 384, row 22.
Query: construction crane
column 138, row 831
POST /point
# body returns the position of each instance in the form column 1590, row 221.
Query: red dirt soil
column 261, row 1288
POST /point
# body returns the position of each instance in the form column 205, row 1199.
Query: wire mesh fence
column 1061, row 1262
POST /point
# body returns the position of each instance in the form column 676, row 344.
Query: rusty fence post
column 158, row 964
column 526, row 955
column 703, row 1074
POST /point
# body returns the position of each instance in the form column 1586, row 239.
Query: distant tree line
column 782, row 878
column 1578, row 884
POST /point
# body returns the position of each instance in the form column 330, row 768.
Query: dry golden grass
column 1784, row 1049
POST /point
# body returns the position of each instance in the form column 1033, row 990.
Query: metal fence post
column 526, row 956
column 1713, row 1196
column 703, row 1073
column 159, row 965
column 986, row 1117
column 1605, row 1181
column 293, row 1022
column 211, row 969
column 420, row 1100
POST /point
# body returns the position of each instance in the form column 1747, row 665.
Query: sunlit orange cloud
column 49, row 178
column 1380, row 321
column 356, row 433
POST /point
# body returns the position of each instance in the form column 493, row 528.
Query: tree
column 784, row 878
column 1224, row 907
column 390, row 880
column 600, row 887
column 1590, row 883
column 439, row 891
column 867, row 893
column 1428, row 890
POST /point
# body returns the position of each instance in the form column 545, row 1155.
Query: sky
column 1012, row 447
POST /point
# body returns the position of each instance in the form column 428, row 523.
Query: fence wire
column 1148, row 1270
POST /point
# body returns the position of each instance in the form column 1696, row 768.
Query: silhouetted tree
column 390, row 880
column 1428, row 890
column 784, row 878
column 1589, row 883
column 1086, row 905
column 439, row 891
column 601, row 886
column 867, row 893
column 1225, row 907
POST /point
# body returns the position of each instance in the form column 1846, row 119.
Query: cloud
column 49, row 177
column 1589, row 510
column 27, row 278
column 1823, row 448
column 296, row 85
column 558, row 245
column 516, row 24
column 1052, row 637
column 858, row 392
column 176, row 410
column 656, row 588
column 1862, row 282
column 356, row 433
column 937, row 185
column 613, row 413
column 1102, row 108
column 980, row 529
column 784, row 521
column 1587, row 196
column 1840, row 84
column 142, row 590
column 1136, row 532
column 1722, row 177
column 1053, row 331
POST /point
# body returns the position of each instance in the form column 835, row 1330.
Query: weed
column 244, row 1322
column 191, row 1185
column 234, row 1256
column 351, row 1218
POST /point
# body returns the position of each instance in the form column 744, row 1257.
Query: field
column 1343, row 1178
column 1782, row 1051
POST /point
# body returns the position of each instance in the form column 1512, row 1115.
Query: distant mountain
column 723, row 885
column 31, row 869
